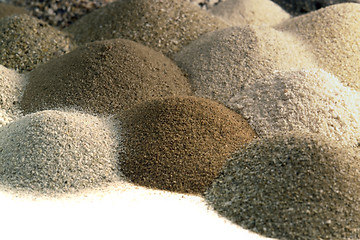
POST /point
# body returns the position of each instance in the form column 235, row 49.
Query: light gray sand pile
column 292, row 186
column 57, row 152
column 8, row 10
column 256, row 12
column 164, row 25
column 26, row 41
column 309, row 101
column 334, row 34
column 12, row 85
column 219, row 62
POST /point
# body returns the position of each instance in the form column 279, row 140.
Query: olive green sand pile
column 103, row 77
column 56, row 152
column 219, row 62
column 179, row 143
column 292, row 186
column 8, row 10
column 256, row 12
column 164, row 25
column 333, row 32
column 26, row 41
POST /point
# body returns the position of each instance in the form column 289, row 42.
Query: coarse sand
column 308, row 101
column 164, row 25
column 219, row 62
column 255, row 12
column 292, row 186
column 8, row 10
column 54, row 152
column 104, row 77
column 179, row 143
column 26, row 41
column 333, row 32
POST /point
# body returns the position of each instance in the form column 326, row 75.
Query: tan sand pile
column 104, row 77
column 255, row 12
column 8, row 10
column 180, row 143
column 56, row 152
column 165, row 25
column 334, row 34
column 308, row 101
column 292, row 186
column 219, row 62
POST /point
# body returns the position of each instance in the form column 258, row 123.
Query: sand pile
column 165, row 25
column 12, row 85
column 334, row 34
column 26, row 41
column 8, row 10
column 55, row 152
column 103, row 77
column 292, row 186
column 219, row 62
column 308, row 101
column 180, row 143
column 255, row 12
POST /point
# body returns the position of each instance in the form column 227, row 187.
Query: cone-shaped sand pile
column 180, row 143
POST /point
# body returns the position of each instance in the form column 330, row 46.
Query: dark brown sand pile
column 334, row 34
column 256, row 12
column 8, row 10
column 26, row 41
column 103, row 77
column 164, row 25
column 180, row 143
column 218, row 63
column 56, row 152
column 292, row 186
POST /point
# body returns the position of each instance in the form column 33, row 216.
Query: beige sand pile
column 292, row 186
column 8, row 10
column 308, row 101
column 165, row 25
column 57, row 152
column 104, row 77
column 334, row 34
column 26, row 41
column 255, row 12
column 219, row 62
column 180, row 143
column 12, row 85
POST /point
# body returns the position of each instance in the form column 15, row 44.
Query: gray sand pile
column 292, row 186
column 219, row 62
column 334, row 34
column 26, row 41
column 8, row 10
column 12, row 85
column 103, row 77
column 308, row 101
column 255, row 12
column 57, row 152
column 180, row 143
column 164, row 25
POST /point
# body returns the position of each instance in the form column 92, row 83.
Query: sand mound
column 334, row 35
column 180, row 143
column 309, row 101
column 103, row 77
column 8, row 10
column 255, row 12
column 164, row 25
column 219, row 62
column 26, row 41
column 292, row 186
column 55, row 152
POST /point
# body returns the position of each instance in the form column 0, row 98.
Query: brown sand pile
column 103, row 77
column 55, row 152
column 292, row 186
column 164, row 25
column 8, row 10
column 180, row 143
column 308, row 101
column 219, row 62
column 334, row 35
column 26, row 41
column 256, row 12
